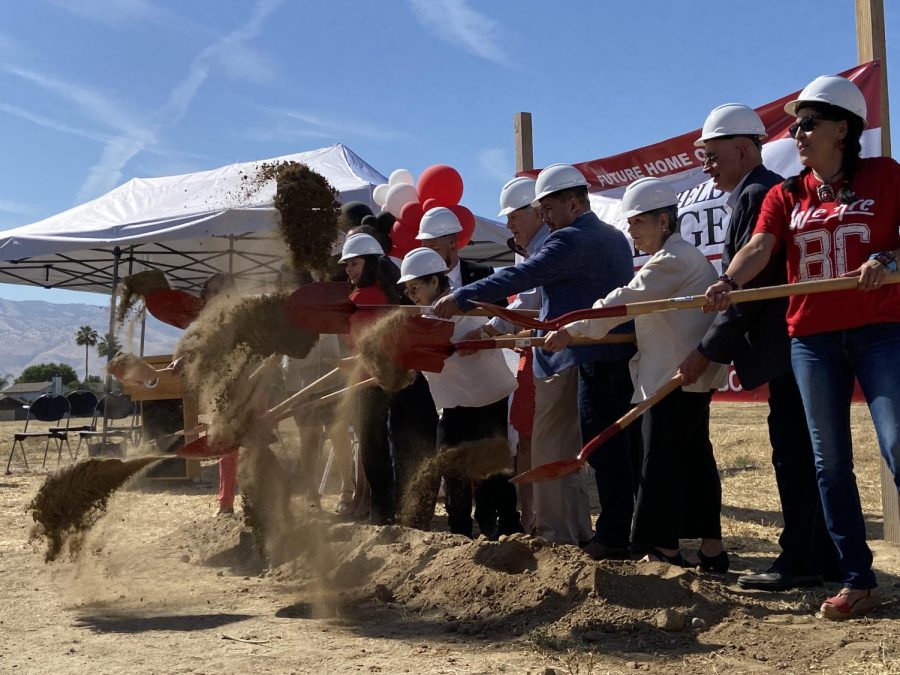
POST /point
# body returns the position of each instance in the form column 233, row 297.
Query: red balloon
column 411, row 215
column 403, row 238
column 441, row 183
column 467, row 220
column 429, row 204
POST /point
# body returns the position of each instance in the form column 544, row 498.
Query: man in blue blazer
column 579, row 390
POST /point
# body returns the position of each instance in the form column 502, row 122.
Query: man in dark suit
column 754, row 336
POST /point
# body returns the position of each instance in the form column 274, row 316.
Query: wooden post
column 871, row 45
column 524, row 147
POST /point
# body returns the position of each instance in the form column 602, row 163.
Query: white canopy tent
column 188, row 227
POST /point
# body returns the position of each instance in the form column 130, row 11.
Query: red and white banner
column 702, row 213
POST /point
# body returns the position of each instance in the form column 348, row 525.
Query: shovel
column 425, row 346
column 174, row 307
column 564, row 467
column 684, row 302
column 325, row 308
column 202, row 449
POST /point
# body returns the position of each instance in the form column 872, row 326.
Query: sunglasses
column 806, row 124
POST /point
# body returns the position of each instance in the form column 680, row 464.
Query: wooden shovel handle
column 629, row 417
column 428, row 310
column 524, row 342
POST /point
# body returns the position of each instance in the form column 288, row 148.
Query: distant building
column 15, row 399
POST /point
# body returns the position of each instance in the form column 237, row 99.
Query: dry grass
column 752, row 515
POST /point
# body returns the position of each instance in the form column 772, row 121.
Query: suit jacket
column 754, row 334
column 575, row 266
column 472, row 271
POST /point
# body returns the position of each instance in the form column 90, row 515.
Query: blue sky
column 100, row 91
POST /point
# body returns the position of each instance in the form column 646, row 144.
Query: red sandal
column 841, row 607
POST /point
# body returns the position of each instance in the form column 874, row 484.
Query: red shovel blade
column 424, row 344
column 174, row 307
column 551, row 471
column 515, row 317
column 322, row 307
column 200, row 448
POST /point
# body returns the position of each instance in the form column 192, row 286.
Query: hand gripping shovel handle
column 564, row 467
column 686, row 302
column 520, row 343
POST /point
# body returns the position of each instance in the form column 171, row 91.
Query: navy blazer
column 576, row 266
column 753, row 334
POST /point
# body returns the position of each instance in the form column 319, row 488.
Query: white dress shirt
column 471, row 381
column 664, row 339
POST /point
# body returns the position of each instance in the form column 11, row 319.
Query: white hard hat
column 557, row 177
column 838, row 91
column 731, row 119
column 438, row 222
column 421, row 262
column 647, row 194
column 516, row 194
column 360, row 244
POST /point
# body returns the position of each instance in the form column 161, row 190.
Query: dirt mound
column 510, row 587
column 70, row 501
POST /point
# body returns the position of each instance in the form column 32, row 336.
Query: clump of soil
column 309, row 215
column 70, row 501
column 225, row 345
column 136, row 286
column 378, row 346
column 474, row 459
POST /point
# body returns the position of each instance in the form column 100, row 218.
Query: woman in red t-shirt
column 839, row 217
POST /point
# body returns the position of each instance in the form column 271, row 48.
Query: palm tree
column 5, row 381
column 109, row 346
column 86, row 337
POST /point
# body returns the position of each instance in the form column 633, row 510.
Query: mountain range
column 39, row 332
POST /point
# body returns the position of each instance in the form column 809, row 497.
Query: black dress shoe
column 776, row 580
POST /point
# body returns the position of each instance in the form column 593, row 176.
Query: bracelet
column 728, row 279
column 887, row 259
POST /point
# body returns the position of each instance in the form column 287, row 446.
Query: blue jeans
column 825, row 365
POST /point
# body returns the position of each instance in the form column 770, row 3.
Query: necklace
column 824, row 189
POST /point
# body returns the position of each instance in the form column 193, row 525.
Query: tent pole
column 230, row 254
column 107, row 386
column 870, row 44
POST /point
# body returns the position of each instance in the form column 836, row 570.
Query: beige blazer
column 666, row 338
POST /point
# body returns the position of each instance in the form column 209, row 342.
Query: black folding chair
column 82, row 403
column 117, row 407
column 47, row 408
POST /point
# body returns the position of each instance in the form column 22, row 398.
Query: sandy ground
column 163, row 585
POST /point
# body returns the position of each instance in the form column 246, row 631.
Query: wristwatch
column 728, row 279
column 887, row 259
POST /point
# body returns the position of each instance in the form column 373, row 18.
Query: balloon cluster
column 439, row 185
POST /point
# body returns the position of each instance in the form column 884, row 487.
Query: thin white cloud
column 107, row 172
column 53, row 124
column 16, row 207
column 496, row 163
column 456, row 23
column 284, row 123
column 117, row 13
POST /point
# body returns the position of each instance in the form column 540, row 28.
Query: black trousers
column 495, row 497
column 806, row 547
column 680, row 495
column 604, row 395
column 396, row 432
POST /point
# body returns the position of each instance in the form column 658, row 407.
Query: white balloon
column 399, row 196
column 379, row 194
column 400, row 177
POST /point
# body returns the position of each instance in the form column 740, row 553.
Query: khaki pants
column 561, row 507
